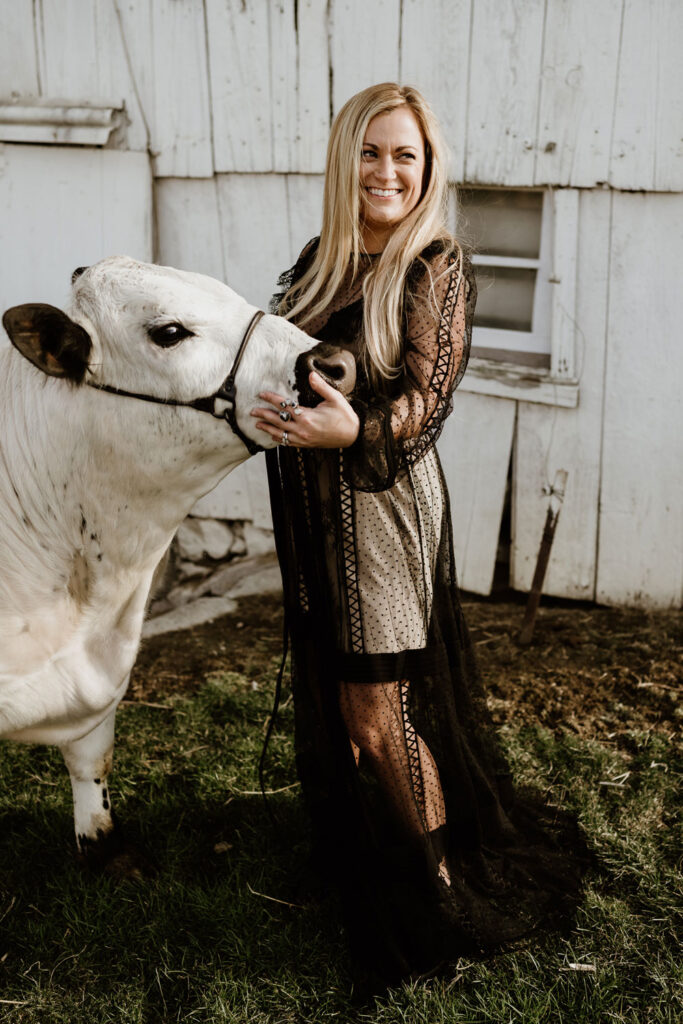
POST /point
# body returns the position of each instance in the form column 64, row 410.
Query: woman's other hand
column 331, row 424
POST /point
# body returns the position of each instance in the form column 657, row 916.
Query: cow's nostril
column 338, row 367
column 77, row 273
column 336, row 372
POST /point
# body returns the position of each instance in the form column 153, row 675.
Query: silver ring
column 285, row 416
column 297, row 410
column 285, row 438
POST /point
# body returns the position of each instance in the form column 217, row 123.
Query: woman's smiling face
column 391, row 173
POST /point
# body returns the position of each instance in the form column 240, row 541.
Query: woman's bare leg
column 376, row 719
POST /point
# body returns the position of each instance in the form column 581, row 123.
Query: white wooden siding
column 505, row 58
column 244, row 229
column 475, row 453
column 98, row 203
column 640, row 557
column 269, row 85
column 364, row 45
column 442, row 75
column 18, row 56
column 82, row 55
column 547, row 440
column 189, row 234
column 165, row 44
column 529, row 92
column 578, row 83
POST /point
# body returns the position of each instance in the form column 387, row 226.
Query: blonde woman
column 409, row 793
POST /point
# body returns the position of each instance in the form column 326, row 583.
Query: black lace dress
column 434, row 853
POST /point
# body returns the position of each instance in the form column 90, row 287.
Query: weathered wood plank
column 578, row 84
column 364, row 46
column 441, row 74
column 166, row 43
column 550, row 439
column 82, row 56
column 647, row 148
column 239, row 61
column 505, row 66
column 188, row 225
column 640, row 558
column 304, row 209
column 269, row 84
column 256, row 240
column 669, row 110
column 563, row 312
column 299, row 85
column 18, row 59
column 98, row 203
column 475, row 454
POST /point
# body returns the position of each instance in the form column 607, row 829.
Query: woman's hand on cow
column 331, row 424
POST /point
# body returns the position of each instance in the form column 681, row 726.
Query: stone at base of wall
column 212, row 562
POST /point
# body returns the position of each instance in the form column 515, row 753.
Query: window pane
column 505, row 298
column 501, row 223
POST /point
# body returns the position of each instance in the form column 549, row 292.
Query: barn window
column 524, row 243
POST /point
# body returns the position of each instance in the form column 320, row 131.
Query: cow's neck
column 108, row 477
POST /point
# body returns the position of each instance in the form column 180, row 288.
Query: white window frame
column 556, row 385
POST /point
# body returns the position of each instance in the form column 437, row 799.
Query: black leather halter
column 227, row 392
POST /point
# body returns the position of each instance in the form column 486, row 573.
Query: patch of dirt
column 598, row 672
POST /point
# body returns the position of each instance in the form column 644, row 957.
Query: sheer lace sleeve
column 438, row 324
column 287, row 279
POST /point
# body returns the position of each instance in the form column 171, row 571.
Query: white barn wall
column 475, row 453
column 502, row 110
column 647, row 147
column 577, row 87
column 444, row 76
column 550, row 439
column 640, row 555
column 18, row 54
column 97, row 203
column 530, row 92
column 165, row 48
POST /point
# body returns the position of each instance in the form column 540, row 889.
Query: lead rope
column 271, row 722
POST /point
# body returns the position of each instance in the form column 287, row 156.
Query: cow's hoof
column 109, row 854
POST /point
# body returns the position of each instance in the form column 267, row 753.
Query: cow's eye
column 166, row 335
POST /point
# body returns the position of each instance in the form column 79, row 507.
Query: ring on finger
column 285, row 416
column 285, row 438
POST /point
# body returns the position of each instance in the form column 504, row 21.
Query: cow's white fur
column 93, row 487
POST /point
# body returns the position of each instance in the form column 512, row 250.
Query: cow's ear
column 49, row 339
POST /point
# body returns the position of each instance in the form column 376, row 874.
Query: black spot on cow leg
column 105, row 799
column 97, row 781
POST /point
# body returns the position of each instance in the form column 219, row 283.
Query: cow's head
column 169, row 334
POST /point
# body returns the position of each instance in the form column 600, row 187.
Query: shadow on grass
column 219, row 903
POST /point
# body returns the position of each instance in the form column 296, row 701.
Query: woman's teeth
column 384, row 191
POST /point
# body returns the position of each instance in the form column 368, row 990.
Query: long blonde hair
column 340, row 235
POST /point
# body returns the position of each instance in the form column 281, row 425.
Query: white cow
column 94, row 485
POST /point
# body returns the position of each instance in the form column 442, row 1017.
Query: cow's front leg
column 100, row 842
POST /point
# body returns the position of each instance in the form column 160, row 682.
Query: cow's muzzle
column 335, row 365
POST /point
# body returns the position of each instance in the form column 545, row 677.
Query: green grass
column 200, row 942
